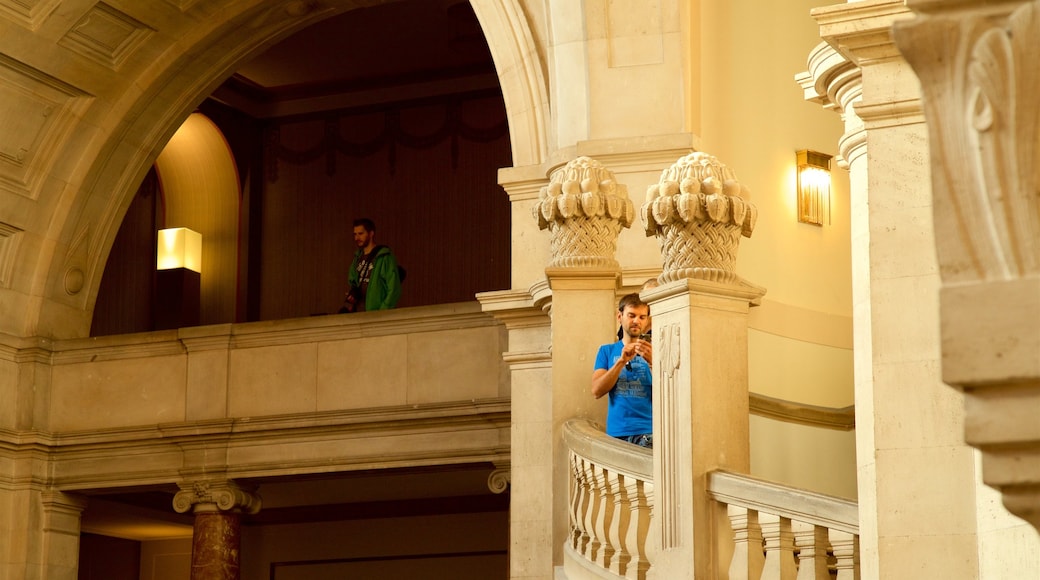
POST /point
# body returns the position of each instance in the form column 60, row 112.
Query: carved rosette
column 584, row 209
column 225, row 495
column 698, row 211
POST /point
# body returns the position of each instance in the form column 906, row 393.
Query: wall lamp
column 179, row 248
column 814, row 187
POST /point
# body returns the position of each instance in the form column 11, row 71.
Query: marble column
column 216, row 539
column 699, row 212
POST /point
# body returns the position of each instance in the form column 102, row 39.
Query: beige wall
column 410, row 356
column 753, row 118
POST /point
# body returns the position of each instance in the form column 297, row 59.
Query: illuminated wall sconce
column 178, row 279
column 179, row 248
column 814, row 187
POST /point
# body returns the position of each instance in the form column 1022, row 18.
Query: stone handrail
column 843, row 419
column 784, row 532
column 610, row 500
column 776, row 531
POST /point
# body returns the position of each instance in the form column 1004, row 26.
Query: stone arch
column 152, row 106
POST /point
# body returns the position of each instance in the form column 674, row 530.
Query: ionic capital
column 223, row 495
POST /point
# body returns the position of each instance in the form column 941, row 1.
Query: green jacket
column 384, row 285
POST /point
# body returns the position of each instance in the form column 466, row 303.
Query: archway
column 105, row 181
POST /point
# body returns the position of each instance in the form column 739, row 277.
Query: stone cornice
column 256, row 334
column 518, row 308
column 293, row 444
column 893, row 113
column 862, row 30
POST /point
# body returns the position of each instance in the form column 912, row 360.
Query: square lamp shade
column 179, row 248
column 814, row 187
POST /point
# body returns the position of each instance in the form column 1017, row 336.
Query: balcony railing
column 774, row 532
column 610, row 499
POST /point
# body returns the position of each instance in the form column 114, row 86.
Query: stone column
column 698, row 212
column 913, row 464
column 977, row 67
column 216, row 539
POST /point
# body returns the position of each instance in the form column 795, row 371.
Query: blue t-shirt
column 630, row 403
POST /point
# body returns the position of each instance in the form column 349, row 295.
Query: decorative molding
column 9, row 242
column 669, row 339
column 584, row 209
column 698, row 211
column 40, row 111
column 28, row 13
column 106, row 35
column 843, row 419
column 862, row 31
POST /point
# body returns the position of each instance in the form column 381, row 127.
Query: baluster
column 606, row 487
column 811, row 542
column 579, row 504
column 748, row 558
column 621, row 522
column 636, row 541
column 595, row 503
column 846, row 554
column 779, row 547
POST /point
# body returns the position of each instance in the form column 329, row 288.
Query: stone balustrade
column 774, row 532
column 611, row 499
column 783, row 533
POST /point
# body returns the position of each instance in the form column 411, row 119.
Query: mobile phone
column 646, row 336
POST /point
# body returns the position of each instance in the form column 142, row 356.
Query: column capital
column 499, row 479
column 212, row 495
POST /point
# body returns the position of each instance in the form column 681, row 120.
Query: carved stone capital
column 698, row 211
column 584, row 209
column 835, row 82
column 499, row 480
column 224, row 495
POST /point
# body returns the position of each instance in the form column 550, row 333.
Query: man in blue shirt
column 623, row 371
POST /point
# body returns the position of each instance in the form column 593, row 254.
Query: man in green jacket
column 375, row 283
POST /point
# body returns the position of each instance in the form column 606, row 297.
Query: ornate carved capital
column 698, row 211
column 499, row 480
column 225, row 495
column 584, row 209
column 835, row 82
